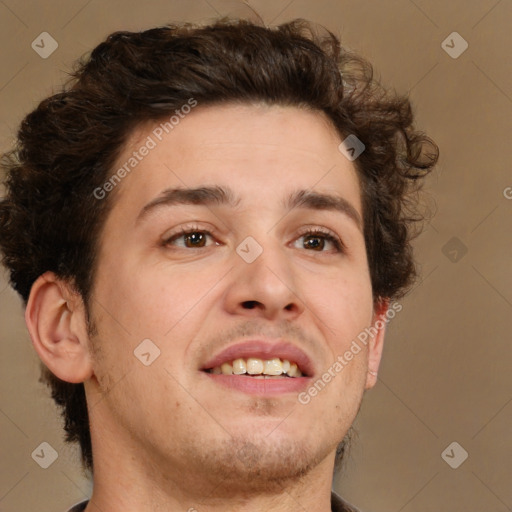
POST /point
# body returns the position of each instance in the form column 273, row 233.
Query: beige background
column 446, row 371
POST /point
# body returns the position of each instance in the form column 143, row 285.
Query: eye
column 315, row 239
column 193, row 237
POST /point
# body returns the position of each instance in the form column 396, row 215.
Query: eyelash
column 319, row 232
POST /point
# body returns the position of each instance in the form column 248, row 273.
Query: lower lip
column 255, row 386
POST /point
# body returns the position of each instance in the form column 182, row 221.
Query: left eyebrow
column 321, row 201
column 217, row 195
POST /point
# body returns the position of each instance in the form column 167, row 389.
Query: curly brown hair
column 50, row 219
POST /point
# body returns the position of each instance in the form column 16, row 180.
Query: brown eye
column 193, row 239
column 315, row 239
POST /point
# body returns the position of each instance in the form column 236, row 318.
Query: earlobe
column 55, row 319
column 376, row 344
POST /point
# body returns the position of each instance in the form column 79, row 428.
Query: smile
column 257, row 367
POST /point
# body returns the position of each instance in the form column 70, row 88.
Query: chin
column 262, row 463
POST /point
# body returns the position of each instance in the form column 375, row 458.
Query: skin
column 164, row 436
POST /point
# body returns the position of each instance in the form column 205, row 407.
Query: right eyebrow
column 206, row 195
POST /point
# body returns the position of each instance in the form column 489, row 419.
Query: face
column 294, row 282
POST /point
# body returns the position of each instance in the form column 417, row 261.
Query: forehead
column 257, row 150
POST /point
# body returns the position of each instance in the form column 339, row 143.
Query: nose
column 265, row 288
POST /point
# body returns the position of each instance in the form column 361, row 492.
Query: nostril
column 250, row 304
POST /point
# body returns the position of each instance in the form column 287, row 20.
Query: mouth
column 258, row 367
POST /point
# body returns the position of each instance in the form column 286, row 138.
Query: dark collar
column 338, row 504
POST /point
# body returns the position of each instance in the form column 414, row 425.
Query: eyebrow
column 217, row 195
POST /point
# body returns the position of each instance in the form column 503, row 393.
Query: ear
column 56, row 320
column 376, row 343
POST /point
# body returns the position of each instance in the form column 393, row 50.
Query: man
column 208, row 227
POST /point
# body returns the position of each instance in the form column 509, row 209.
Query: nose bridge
column 265, row 256
column 259, row 244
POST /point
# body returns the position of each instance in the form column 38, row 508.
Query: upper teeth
column 255, row 366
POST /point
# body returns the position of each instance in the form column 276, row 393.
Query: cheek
column 344, row 303
column 144, row 300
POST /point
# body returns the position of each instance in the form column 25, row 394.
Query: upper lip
column 263, row 350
